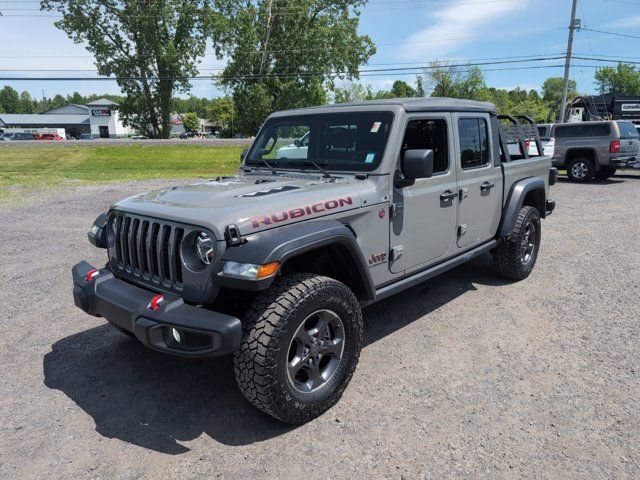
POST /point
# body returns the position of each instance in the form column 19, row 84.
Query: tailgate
column 629, row 146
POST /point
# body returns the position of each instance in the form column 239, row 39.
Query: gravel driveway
column 463, row 376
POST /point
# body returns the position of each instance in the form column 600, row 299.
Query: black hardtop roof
column 430, row 104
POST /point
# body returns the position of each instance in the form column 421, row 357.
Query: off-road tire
column 581, row 170
column 270, row 324
column 508, row 258
column 605, row 172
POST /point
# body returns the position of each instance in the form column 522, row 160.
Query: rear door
column 479, row 180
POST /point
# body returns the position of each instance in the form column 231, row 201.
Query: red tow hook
column 91, row 274
column 155, row 302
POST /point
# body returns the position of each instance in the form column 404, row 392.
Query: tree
column 552, row 90
column 150, row 46
column 621, row 80
column 10, row 100
column 420, row 92
column 191, row 122
column 76, row 99
column 57, row 102
column 402, row 89
column 281, row 53
column 454, row 81
column 221, row 113
column 352, row 92
column 552, row 94
column 27, row 105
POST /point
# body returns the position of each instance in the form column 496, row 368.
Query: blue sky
column 407, row 33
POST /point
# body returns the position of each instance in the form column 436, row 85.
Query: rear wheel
column 517, row 257
column 605, row 172
column 301, row 343
column 580, row 169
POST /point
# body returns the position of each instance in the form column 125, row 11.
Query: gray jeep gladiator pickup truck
column 275, row 263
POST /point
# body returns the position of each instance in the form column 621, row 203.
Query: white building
column 100, row 118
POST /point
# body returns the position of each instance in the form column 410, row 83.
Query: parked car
column 595, row 149
column 274, row 264
column 13, row 136
column 89, row 136
column 187, row 135
column 49, row 137
column 548, row 142
column 296, row 150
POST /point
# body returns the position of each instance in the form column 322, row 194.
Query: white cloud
column 457, row 25
column 628, row 22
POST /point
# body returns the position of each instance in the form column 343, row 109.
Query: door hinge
column 396, row 252
column 395, row 209
column 462, row 229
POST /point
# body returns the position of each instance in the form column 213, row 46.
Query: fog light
column 175, row 333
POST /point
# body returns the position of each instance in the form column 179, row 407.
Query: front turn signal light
column 268, row 269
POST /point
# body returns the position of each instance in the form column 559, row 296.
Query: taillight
column 615, row 146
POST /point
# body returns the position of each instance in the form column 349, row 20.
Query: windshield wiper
column 324, row 172
column 267, row 164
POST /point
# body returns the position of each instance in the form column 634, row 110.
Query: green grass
column 24, row 169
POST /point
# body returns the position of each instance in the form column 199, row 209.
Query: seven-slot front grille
column 148, row 249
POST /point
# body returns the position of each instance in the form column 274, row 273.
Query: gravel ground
column 464, row 376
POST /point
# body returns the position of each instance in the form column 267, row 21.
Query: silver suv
column 594, row 149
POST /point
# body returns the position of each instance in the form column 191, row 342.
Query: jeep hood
column 252, row 202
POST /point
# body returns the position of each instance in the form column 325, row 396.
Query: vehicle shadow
column 609, row 181
column 157, row 401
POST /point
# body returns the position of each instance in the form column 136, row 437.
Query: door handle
column 486, row 186
column 448, row 195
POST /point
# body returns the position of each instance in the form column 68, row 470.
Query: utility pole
column 567, row 64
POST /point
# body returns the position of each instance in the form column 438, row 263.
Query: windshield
column 339, row 142
column 627, row 130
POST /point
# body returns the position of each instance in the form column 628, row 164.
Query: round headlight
column 205, row 248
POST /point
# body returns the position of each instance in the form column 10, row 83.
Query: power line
column 611, row 33
column 259, row 77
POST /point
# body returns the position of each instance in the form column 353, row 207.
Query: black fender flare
column 283, row 243
column 519, row 191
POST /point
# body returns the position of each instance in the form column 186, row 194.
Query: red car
column 49, row 136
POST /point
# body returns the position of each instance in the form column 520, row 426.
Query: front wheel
column 517, row 257
column 300, row 346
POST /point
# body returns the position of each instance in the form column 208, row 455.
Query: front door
column 479, row 181
column 104, row 132
column 424, row 222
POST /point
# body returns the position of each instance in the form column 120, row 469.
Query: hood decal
column 298, row 213
column 260, row 193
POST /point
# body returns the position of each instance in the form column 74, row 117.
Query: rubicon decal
column 295, row 213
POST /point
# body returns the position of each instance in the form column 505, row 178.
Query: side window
column 474, row 142
column 429, row 135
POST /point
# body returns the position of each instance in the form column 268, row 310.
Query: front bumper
column 203, row 333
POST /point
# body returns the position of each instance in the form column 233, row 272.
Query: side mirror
column 244, row 154
column 415, row 164
column 297, row 142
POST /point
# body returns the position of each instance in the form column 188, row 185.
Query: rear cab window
column 628, row 130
